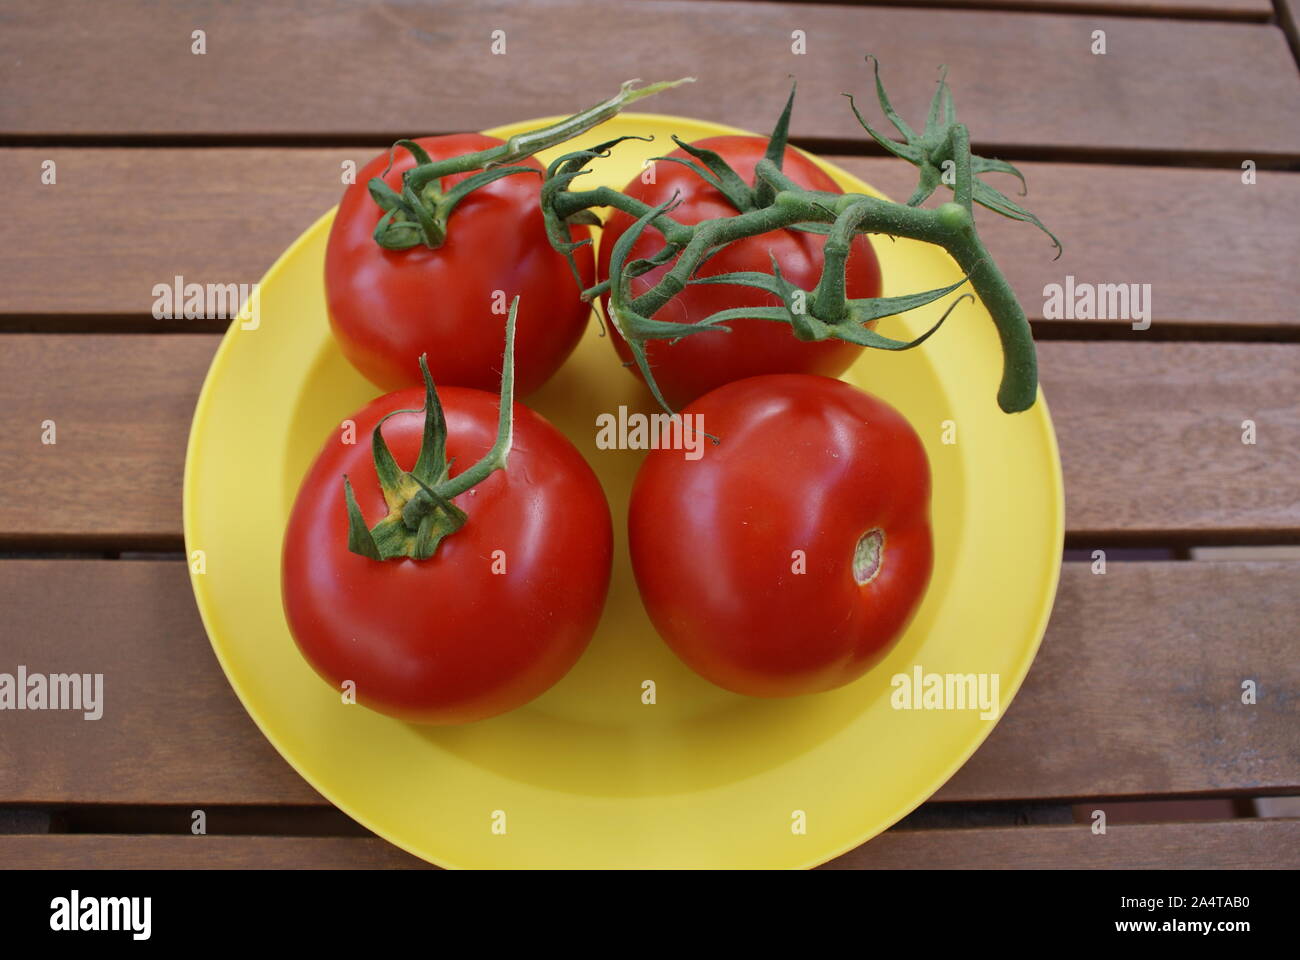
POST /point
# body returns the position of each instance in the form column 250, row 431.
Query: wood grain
column 1225, row 845
column 291, row 68
column 1217, row 253
column 121, row 408
column 1150, row 438
column 100, row 851
column 172, row 730
column 1138, row 686
column 1136, row 691
column 1224, row 9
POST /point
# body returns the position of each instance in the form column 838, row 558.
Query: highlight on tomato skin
column 694, row 365
column 791, row 556
column 502, row 610
column 387, row 307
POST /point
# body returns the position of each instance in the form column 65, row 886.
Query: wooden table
column 206, row 166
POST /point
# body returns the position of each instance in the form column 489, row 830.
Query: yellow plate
column 588, row 775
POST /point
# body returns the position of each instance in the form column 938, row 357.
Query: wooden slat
column 1150, row 437
column 1216, row 252
column 339, row 68
column 1131, row 694
column 236, row 210
column 1239, row 844
column 1227, row 845
column 172, row 730
column 1134, row 691
column 121, row 407
column 117, row 852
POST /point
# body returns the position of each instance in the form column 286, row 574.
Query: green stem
column 864, row 214
column 964, row 180
column 704, row 237
column 1018, row 389
column 830, row 289
column 420, row 509
column 495, row 458
column 423, row 205
column 570, row 202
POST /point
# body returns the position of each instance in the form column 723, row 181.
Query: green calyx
column 420, row 508
column 418, row 214
column 710, row 167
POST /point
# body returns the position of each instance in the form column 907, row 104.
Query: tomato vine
column 941, row 152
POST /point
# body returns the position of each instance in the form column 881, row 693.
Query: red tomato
column 696, row 364
column 756, row 562
column 387, row 307
column 448, row 640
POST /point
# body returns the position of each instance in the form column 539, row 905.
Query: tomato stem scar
column 869, row 556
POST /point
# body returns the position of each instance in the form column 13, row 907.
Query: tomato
column 503, row 608
column 788, row 558
column 387, row 307
column 696, row 364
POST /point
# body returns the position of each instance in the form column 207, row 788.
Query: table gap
column 1075, row 8
column 822, row 146
column 1082, row 331
column 324, row 820
column 1285, row 13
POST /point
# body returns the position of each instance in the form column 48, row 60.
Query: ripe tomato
column 453, row 638
column 790, row 556
column 387, row 307
column 696, row 364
